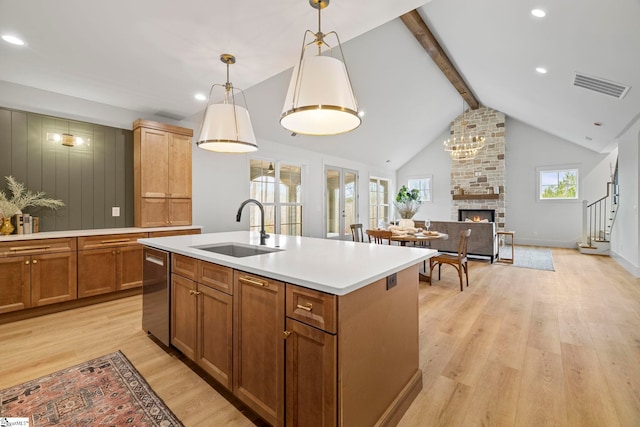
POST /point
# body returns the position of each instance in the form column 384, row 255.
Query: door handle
column 153, row 259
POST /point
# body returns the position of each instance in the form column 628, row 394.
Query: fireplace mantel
column 476, row 196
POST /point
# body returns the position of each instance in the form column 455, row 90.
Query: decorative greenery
column 407, row 202
column 22, row 198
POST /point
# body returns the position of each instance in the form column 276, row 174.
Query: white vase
column 406, row 223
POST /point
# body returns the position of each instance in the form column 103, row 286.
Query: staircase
column 598, row 219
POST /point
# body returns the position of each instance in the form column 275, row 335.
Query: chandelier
column 226, row 126
column 466, row 146
column 320, row 99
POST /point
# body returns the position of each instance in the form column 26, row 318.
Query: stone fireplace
column 479, row 183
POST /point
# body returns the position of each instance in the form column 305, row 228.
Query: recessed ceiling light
column 538, row 13
column 200, row 97
column 541, row 70
column 12, row 39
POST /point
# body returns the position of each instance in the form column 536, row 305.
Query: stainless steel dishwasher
column 156, row 295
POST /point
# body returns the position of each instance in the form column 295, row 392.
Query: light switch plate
column 115, row 211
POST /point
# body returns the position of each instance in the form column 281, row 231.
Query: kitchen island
column 312, row 332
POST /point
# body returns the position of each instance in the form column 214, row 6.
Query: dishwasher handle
column 154, row 259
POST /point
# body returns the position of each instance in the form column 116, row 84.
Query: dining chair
column 356, row 232
column 379, row 236
column 458, row 261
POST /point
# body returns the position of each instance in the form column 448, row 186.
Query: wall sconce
column 65, row 139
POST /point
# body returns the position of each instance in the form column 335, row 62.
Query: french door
column 341, row 202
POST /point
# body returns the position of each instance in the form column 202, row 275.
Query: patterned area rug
column 532, row 257
column 107, row 391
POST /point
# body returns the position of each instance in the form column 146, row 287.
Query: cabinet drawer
column 184, row 266
column 109, row 240
column 312, row 307
column 216, row 276
column 39, row 246
column 174, row 232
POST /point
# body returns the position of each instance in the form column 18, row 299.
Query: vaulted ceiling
column 152, row 56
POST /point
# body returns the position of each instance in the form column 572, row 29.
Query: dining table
column 419, row 239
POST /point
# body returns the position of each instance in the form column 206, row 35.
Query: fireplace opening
column 477, row 215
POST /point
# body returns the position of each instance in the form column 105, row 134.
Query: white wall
column 536, row 223
column 626, row 230
column 433, row 160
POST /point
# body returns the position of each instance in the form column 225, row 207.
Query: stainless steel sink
column 237, row 250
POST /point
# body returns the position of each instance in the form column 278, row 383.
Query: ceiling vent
column 596, row 84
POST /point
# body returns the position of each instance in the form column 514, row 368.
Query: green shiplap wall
column 90, row 179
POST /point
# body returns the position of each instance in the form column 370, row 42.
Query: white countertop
column 92, row 232
column 335, row 267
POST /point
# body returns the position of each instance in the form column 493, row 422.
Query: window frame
column 277, row 205
column 559, row 169
column 423, row 197
column 378, row 206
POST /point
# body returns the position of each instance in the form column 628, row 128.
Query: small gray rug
column 531, row 257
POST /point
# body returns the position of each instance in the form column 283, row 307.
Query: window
column 279, row 188
column 424, row 184
column 558, row 184
column 378, row 201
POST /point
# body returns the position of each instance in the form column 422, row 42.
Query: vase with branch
column 19, row 198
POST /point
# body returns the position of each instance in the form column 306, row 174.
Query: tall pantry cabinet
column 162, row 174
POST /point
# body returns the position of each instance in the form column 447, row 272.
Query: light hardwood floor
column 519, row 347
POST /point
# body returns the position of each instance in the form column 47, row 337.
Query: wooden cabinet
column 183, row 315
column 109, row 263
column 37, row 272
column 214, row 349
column 258, row 345
column 162, row 174
column 202, row 316
column 311, row 357
column 311, row 376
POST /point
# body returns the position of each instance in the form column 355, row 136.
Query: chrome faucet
column 263, row 235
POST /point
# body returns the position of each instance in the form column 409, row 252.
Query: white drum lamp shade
column 320, row 100
column 227, row 128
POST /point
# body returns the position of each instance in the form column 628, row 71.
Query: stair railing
column 598, row 217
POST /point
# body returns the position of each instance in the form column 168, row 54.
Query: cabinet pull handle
column 286, row 334
column 115, row 241
column 28, row 248
column 26, row 262
column 251, row 281
column 308, row 306
column 192, row 292
column 35, row 261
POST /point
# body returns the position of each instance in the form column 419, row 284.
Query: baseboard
column 625, row 263
column 401, row 403
column 569, row 244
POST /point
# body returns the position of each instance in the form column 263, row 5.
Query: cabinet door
column 311, row 376
column 179, row 166
column 15, row 289
column 154, row 153
column 215, row 334
column 129, row 271
column 154, row 212
column 53, row 278
column 96, row 272
column 183, row 315
column 179, row 212
column 258, row 344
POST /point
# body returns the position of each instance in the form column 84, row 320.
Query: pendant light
column 467, row 145
column 226, row 126
column 320, row 99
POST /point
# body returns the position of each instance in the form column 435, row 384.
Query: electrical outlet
column 115, row 211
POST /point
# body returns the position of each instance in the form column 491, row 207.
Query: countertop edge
column 92, row 232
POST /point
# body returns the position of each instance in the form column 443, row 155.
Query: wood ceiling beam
column 421, row 32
